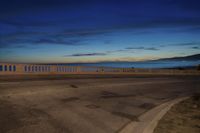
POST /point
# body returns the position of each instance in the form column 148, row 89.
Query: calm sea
column 145, row 64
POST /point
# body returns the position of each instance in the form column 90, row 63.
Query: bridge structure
column 14, row 68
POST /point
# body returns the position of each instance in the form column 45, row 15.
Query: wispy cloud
column 129, row 49
column 26, row 39
column 115, row 51
column 195, row 47
column 57, row 41
column 187, row 44
column 142, row 48
column 181, row 44
column 86, row 54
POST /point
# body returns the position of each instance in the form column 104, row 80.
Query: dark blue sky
column 98, row 30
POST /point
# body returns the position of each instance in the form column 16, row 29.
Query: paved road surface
column 103, row 105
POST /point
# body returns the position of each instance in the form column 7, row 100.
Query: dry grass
column 182, row 118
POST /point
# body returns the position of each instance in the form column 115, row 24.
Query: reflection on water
column 145, row 64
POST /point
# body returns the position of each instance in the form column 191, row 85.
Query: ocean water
column 144, row 64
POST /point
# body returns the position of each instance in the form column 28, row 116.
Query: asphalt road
column 85, row 105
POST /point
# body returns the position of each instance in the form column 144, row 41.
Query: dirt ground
column 85, row 105
column 182, row 118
